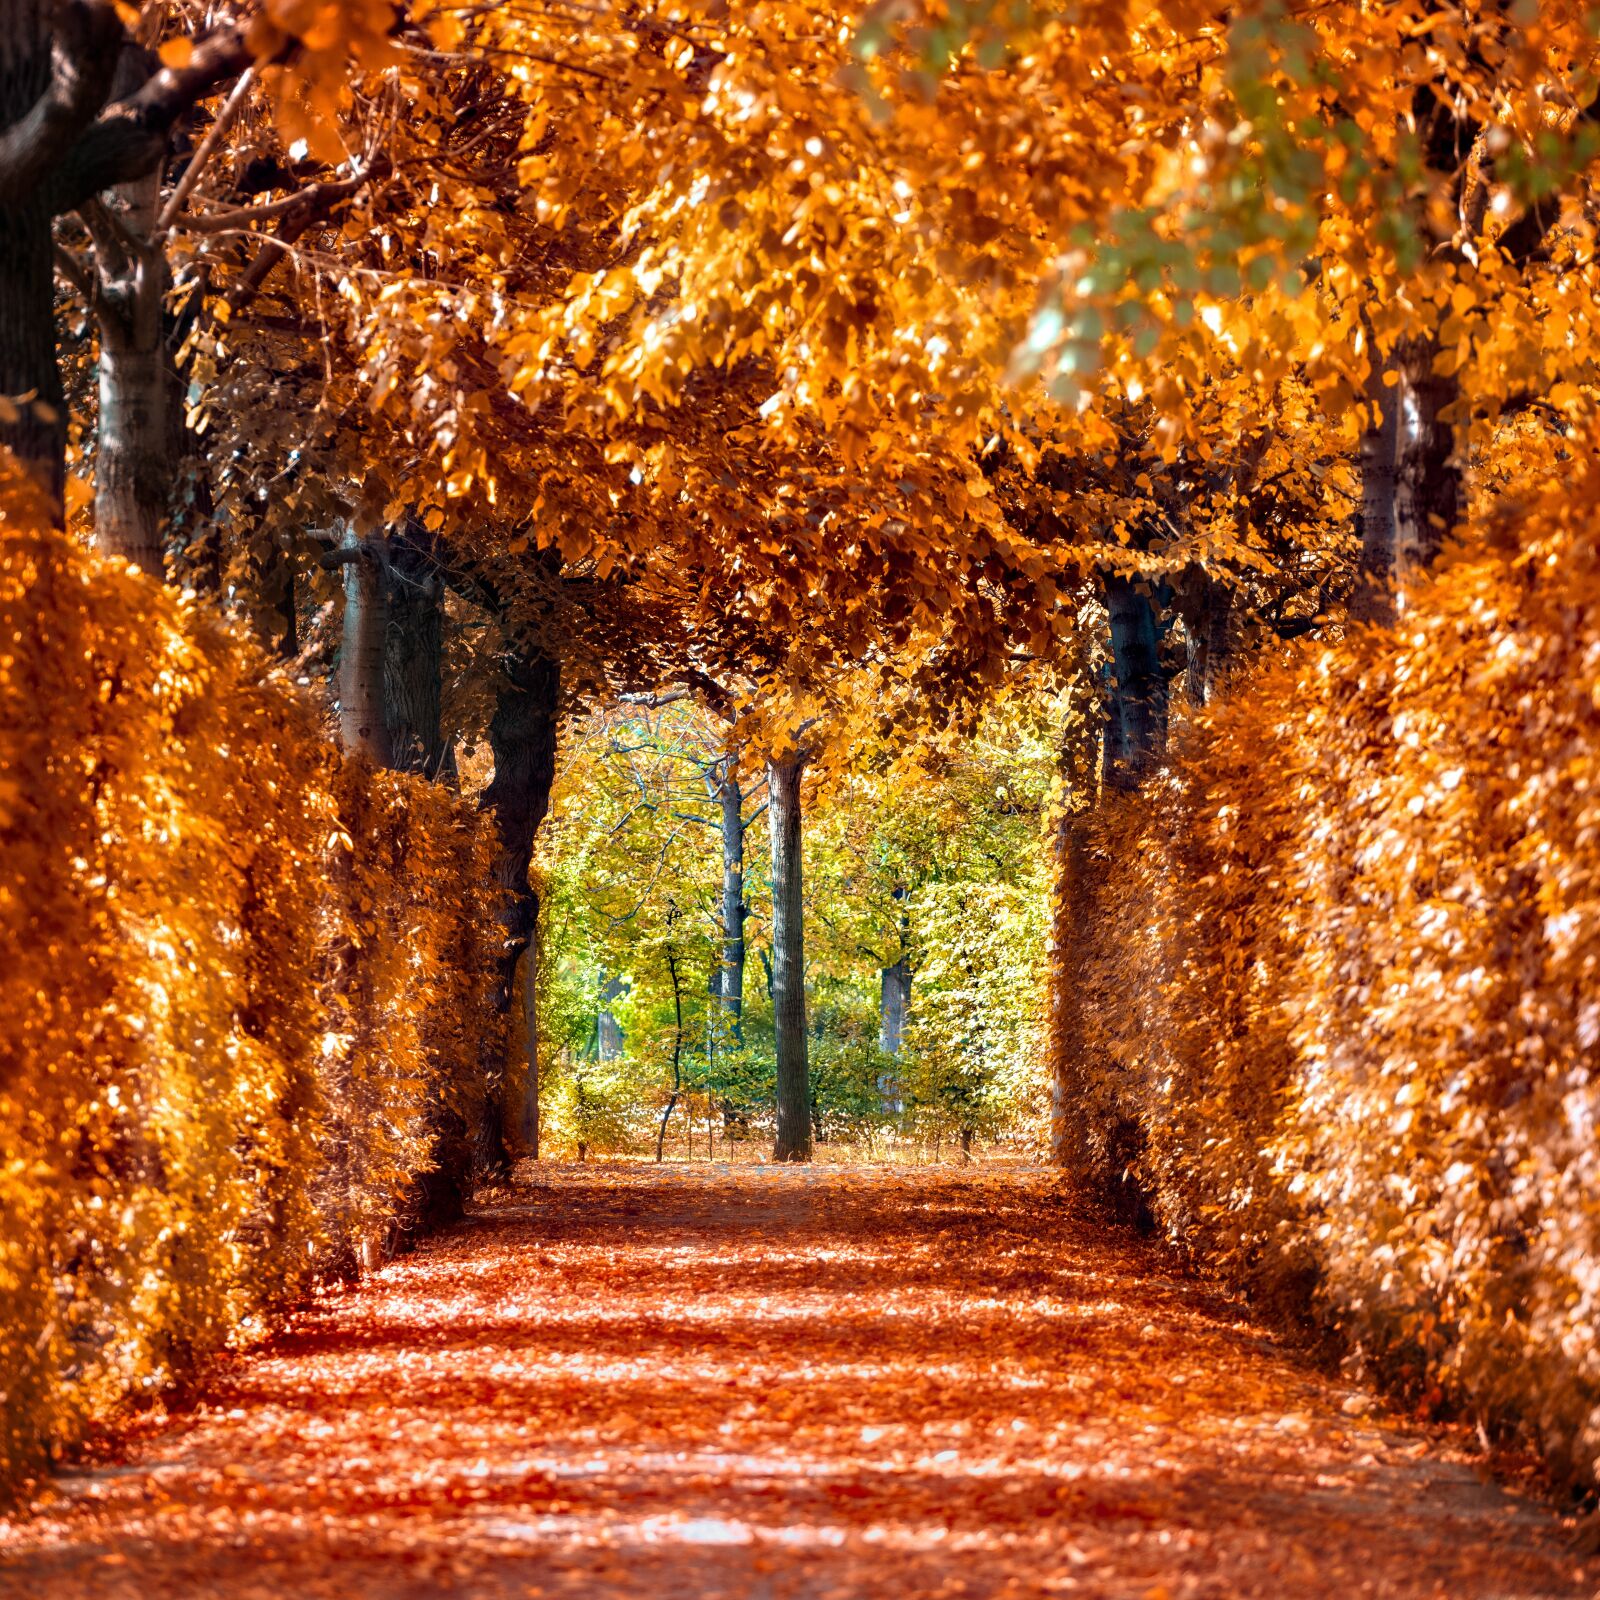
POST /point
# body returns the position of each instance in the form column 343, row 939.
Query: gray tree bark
column 361, row 728
column 1412, row 487
column 894, row 1006
column 45, row 102
column 609, row 1038
column 734, row 909
column 363, row 720
column 894, row 1011
column 135, row 443
column 61, row 144
column 784, row 779
column 1206, row 607
column 1428, row 479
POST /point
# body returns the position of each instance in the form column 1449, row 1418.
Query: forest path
column 755, row 1382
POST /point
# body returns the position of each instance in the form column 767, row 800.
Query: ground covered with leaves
column 763, row 1382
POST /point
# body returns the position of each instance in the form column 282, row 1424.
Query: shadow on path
column 757, row 1382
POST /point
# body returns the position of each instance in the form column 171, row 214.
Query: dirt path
column 756, row 1383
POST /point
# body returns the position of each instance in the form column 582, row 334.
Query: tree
column 785, row 776
column 522, row 735
column 88, row 109
column 724, row 778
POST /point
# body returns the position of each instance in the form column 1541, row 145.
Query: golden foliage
column 239, row 977
column 1343, row 1015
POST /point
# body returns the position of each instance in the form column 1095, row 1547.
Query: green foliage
column 850, row 1074
column 931, row 856
column 974, row 1049
column 589, row 1107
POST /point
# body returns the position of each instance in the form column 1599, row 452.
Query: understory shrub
column 1343, row 995
column 241, row 986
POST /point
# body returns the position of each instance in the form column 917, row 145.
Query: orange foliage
column 1344, row 1017
column 235, row 975
column 700, row 1383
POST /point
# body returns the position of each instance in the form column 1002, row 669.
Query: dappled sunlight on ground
column 762, row 1382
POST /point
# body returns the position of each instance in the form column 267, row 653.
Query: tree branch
column 116, row 251
column 716, row 697
column 704, row 822
column 86, row 44
column 78, row 274
column 208, row 148
column 1520, row 240
column 318, row 199
column 654, row 702
column 128, row 138
column 309, row 206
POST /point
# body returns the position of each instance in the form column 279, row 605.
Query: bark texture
column 1207, row 610
column 1428, row 486
column 363, row 718
column 522, row 735
column 414, row 660
column 135, row 446
column 60, row 145
column 789, row 961
column 1412, row 492
column 734, row 909
column 45, row 101
column 609, row 1037
column 1139, row 684
column 894, row 1006
column 1373, row 599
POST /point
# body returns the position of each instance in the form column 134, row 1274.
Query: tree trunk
column 677, row 1060
column 609, row 1038
column 1412, row 491
column 135, row 469
column 894, row 991
column 1373, row 599
column 58, row 66
column 1428, row 487
column 522, row 735
column 361, row 728
column 363, row 721
column 1139, row 685
column 894, row 1006
column 734, row 909
column 1206, row 608
column 1072, row 918
column 788, row 961
column 1110, row 724
column 1219, row 640
column 34, row 426
column 413, row 667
